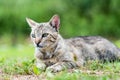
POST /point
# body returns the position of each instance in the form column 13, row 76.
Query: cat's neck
column 60, row 43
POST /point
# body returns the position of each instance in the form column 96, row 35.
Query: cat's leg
column 39, row 63
column 62, row 66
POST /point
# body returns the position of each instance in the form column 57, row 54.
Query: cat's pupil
column 45, row 35
column 33, row 35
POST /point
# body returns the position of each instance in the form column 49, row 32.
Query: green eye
column 45, row 35
column 33, row 35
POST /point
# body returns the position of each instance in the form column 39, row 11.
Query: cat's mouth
column 39, row 46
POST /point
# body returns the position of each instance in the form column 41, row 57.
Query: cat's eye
column 45, row 35
column 33, row 35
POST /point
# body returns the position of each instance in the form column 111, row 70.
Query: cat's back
column 93, row 42
column 94, row 47
column 90, row 40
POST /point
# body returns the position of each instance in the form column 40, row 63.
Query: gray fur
column 55, row 53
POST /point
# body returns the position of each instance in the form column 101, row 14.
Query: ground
column 26, row 70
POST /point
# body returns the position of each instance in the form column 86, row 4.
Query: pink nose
column 37, row 40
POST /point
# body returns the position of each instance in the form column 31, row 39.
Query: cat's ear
column 55, row 22
column 31, row 23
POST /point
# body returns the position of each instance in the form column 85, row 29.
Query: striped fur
column 55, row 53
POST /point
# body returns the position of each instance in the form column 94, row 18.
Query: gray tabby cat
column 54, row 53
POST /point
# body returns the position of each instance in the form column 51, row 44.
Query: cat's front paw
column 41, row 66
column 55, row 68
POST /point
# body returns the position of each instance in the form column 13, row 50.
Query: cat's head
column 44, row 35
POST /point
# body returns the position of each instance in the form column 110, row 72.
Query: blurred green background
column 78, row 18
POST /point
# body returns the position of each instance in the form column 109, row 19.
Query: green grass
column 95, row 71
column 18, row 51
column 20, row 61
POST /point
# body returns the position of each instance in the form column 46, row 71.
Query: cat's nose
column 37, row 41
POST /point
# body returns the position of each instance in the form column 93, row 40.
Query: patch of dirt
column 26, row 77
column 4, row 76
column 1, row 75
column 21, row 77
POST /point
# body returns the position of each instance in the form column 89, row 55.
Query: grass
column 98, row 71
column 18, row 62
column 17, row 51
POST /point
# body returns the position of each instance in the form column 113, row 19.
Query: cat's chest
column 47, row 55
column 49, row 58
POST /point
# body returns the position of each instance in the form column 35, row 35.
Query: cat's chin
column 40, row 47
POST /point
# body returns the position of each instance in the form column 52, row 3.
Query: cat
column 54, row 53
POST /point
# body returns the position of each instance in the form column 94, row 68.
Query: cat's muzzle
column 39, row 46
